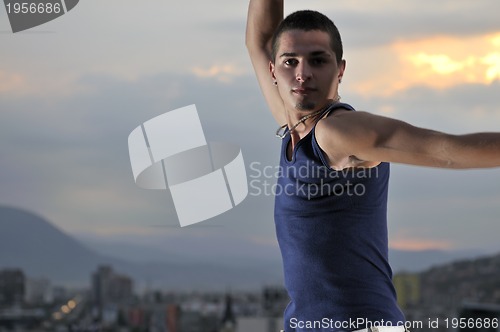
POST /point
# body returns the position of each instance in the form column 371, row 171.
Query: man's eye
column 291, row 62
column 318, row 61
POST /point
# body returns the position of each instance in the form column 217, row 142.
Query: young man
column 331, row 214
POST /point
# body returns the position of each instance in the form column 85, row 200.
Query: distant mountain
column 415, row 261
column 31, row 243
column 465, row 288
column 473, row 280
column 401, row 260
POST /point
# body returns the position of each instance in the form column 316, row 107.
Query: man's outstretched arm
column 370, row 137
column 263, row 18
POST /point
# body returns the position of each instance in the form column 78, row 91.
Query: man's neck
column 302, row 129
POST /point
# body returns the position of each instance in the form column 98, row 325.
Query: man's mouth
column 303, row 90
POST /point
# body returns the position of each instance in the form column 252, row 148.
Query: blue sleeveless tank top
column 332, row 232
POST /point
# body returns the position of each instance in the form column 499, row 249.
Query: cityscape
column 51, row 282
column 111, row 304
column 462, row 295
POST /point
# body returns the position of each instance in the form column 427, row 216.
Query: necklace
column 281, row 132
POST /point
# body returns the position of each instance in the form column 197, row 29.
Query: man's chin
column 305, row 106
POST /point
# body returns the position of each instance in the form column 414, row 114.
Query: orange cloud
column 223, row 73
column 10, row 82
column 437, row 62
column 442, row 62
column 37, row 84
column 416, row 244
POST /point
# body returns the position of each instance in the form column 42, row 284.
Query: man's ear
column 342, row 66
column 271, row 70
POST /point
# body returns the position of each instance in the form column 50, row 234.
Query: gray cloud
column 365, row 23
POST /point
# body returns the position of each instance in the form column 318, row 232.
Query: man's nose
column 304, row 72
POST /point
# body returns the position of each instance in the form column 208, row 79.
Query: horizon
column 153, row 252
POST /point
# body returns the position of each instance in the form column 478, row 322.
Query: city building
column 12, row 287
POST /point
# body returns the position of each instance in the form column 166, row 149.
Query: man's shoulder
column 344, row 127
column 343, row 117
column 344, row 134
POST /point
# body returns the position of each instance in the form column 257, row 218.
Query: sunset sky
column 73, row 89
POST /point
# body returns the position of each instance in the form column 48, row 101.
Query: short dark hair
column 308, row 20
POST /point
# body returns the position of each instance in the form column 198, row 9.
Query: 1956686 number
column 33, row 8
column 472, row 323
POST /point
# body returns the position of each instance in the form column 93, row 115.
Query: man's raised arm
column 263, row 18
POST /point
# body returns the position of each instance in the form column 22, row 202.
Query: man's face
column 306, row 69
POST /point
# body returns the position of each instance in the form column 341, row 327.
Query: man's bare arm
column 263, row 18
column 370, row 137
